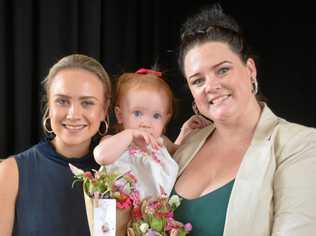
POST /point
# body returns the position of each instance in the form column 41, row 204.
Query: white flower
column 144, row 227
column 174, row 200
column 75, row 170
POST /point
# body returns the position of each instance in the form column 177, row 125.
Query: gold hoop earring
column 254, row 83
column 195, row 109
column 106, row 124
column 45, row 126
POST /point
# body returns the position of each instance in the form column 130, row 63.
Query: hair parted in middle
column 75, row 61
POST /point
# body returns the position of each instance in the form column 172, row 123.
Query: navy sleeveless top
column 47, row 204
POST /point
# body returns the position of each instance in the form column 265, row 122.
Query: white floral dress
column 155, row 173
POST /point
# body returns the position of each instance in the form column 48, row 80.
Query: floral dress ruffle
column 156, row 173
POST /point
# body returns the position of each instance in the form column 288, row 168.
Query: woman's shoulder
column 191, row 143
column 283, row 133
column 282, row 126
column 289, row 132
column 293, row 142
column 9, row 167
column 8, row 172
column 287, row 128
column 8, row 164
column 28, row 157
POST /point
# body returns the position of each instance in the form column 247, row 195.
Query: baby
column 144, row 105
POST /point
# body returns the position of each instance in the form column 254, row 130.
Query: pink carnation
column 188, row 227
column 88, row 174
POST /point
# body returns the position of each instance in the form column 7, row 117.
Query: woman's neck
column 70, row 151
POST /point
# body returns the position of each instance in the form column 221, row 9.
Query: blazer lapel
column 253, row 182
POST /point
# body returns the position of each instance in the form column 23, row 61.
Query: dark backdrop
column 126, row 35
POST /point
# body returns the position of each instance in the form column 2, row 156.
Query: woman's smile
column 74, row 128
column 219, row 99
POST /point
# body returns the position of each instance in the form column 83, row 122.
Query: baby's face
column 144, row 109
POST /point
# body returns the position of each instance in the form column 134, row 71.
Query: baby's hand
column 194, row 122
column 142, row 139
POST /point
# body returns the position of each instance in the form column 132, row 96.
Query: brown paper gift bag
column 122, row 217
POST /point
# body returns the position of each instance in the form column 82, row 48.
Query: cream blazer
column 275, row 188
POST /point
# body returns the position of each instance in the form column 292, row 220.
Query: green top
column 207, row 213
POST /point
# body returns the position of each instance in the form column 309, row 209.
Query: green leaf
column 136, row 229
column 182, row 232
column 157, row 224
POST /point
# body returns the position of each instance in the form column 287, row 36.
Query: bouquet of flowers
column 104, row 193
column 155, row 217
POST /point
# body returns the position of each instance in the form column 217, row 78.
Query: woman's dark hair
column 212, row 25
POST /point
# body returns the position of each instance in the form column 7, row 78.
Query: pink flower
column 163, row 212
column 124, row 204
column 88, row 174
column 188, row 227
column 155, row 158
column 169, row 225
column 132, row 151
column 130, row 177
column 150, row 233
column 135, row 196
column 137, row 213
column 104, row 184
column 155, row 205
column 170, row 214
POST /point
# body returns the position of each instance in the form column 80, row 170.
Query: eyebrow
column 214, row 66
column 81, row 98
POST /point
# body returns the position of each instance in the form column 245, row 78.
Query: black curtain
column 126, row 35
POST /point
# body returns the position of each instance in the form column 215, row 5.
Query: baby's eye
column 157, row 116
column 137, row 113
column 223, row 70
column 87, row 103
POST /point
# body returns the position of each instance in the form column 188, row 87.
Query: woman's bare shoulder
column 8, row 171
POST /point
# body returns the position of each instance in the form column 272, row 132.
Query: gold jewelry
column 45, row 126
column 195, row 109
column 106, row 124
column 254, row 83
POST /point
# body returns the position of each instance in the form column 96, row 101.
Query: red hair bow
column 144, row 71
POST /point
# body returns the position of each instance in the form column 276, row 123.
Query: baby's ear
column 118, row 114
